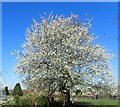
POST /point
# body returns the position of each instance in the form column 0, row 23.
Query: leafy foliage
column 20, row 101
column 42, row 101
column 17, row 90
column 6, row 91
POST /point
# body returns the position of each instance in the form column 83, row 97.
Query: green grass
column 99, row 101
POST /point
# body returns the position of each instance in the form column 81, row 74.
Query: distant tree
column 78, row 92
column 6, row 91
column 17, row 90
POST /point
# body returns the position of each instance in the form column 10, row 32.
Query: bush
column 20, row 101
column 9, row 102
column 42, row 101
column 28, row 101
column 25, row 101
column 17, row 90
column 6, row 91
column 16, row 99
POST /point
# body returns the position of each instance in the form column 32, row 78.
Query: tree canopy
column 59, row 53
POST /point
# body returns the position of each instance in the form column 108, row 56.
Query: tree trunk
column 66, row 98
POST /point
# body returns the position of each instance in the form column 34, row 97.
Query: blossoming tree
column 59, row 53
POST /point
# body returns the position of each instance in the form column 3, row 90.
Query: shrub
column 9, row 102
column 31, row 98
column 42, row 101
column 6, row 91
column 20, row 101
column 17, row 90
column 25, row 101
column 16, row 98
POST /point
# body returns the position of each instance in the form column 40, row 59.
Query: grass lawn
column 99, row 101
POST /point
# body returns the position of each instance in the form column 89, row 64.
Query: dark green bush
column 42, row 101
column 6, row 91
column 17, row 90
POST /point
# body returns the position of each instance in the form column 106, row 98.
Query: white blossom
column 51, row 50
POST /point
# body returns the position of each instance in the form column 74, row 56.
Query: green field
column 99, row 101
